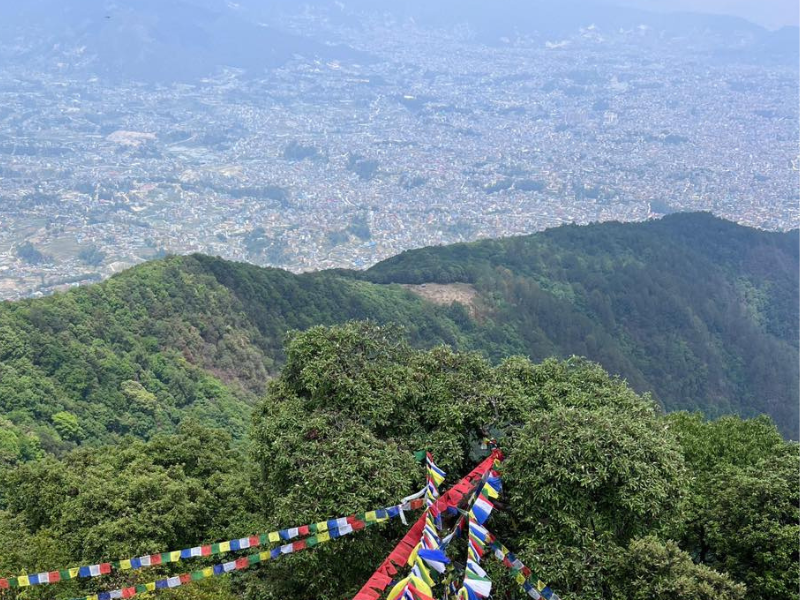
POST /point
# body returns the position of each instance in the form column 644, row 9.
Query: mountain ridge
column 698, row 311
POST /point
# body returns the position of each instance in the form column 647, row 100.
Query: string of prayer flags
column 429, row 540
column 481, row 509
column 493, row 486
column 382, row 577
column 434, row 477
column 475, row 546
column 435, row 559
column 411, row 588
column 466, row 593
column 430, row 536
column 522, row 573
column 475, row 579
column 336, row 527
column 244, row 562
column 476, row 583
column 435, row 473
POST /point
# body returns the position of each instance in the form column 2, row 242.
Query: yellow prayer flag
column 73, row 572
column 150, row 587
column 541, row 585
column 323, row 537
column 520, row 578
column 175, row 556
column 424, row 572
column 490, row 491
column 23, row 581
column 438, row 478
column 209, row 571
column 398, row 589
column 370, row 517
column 262, row 556
column 224, row 546
column 420, row 585
column 124, row 565
column 274, row 536
column 413, row 556
column 322, row 526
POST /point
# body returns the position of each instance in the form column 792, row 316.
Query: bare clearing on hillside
column 446, row 294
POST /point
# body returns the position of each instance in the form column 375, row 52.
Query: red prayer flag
column 254, row 541
column 155, row 559
column 105, row 568
column 54, row 577
column 417, row 593
column 242, row 563
column 399, row 556
column 205, row 550
column 3, row 584
column 186, row 578
column 128, row 592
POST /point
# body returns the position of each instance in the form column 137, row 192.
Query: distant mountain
column 164, row 41
column 149, row 40
column 698, row 311
column 492, row 21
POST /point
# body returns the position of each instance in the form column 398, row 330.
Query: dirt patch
column 446, row 294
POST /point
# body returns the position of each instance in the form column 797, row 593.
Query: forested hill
column 699, row 311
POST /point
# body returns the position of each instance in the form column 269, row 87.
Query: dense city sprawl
column 436, row 139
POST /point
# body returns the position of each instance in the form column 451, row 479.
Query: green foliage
column 591, row 465
column 67, row 425
column 698, row 311
column 584, row 477
column 653, row 570
column 28, row 253
column 104, row 504
column 743, row 513
column 16, row 445
column 701, row 312
column 597, row 482
column 92, row 255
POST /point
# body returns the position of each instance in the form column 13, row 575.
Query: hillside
column 599, row 493
column 698, row 311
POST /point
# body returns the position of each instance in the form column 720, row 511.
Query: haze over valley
column 337, row 135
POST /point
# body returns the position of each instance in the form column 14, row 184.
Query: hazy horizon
column 772, row 14
column 336, row 134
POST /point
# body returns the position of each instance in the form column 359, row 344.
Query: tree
column 68, row 426
column 92, row 255
column 653, row 570
column 589, row 466
column 743, row 510
column 134, row 498
column 29, row 254
column 583, row 481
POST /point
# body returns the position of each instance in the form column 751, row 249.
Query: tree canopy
column 604, row 495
